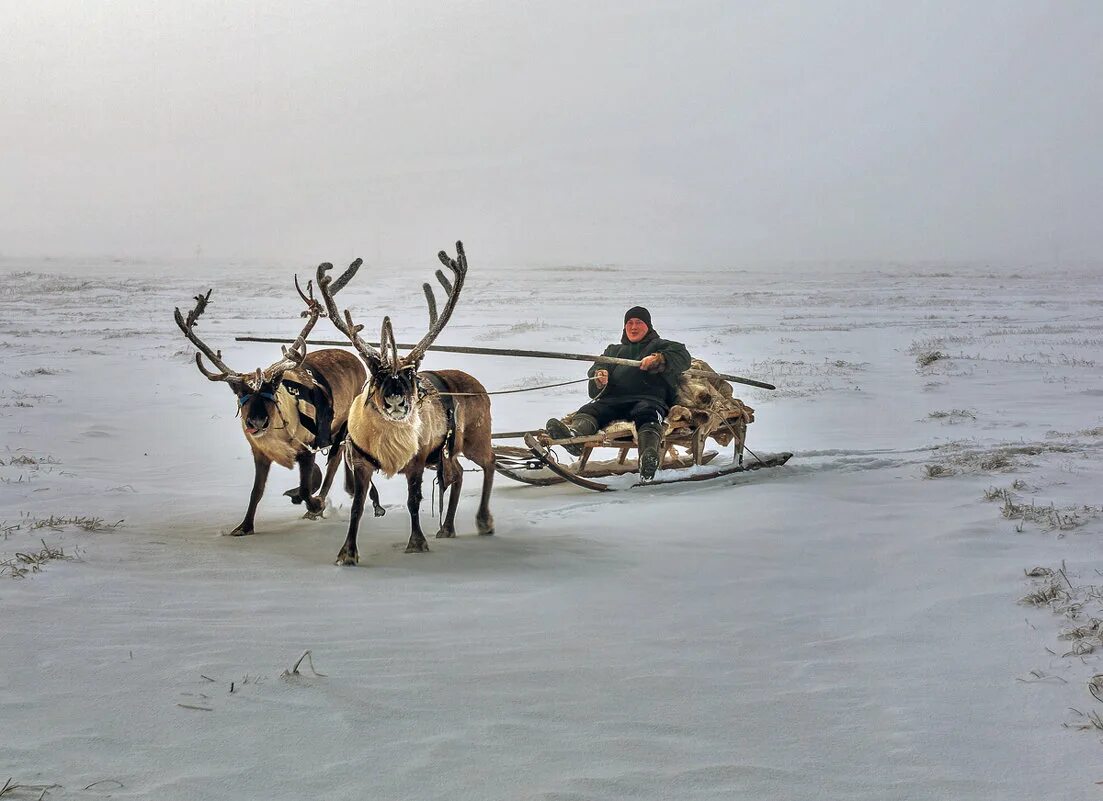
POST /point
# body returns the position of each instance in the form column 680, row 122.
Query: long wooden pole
column 528, row 354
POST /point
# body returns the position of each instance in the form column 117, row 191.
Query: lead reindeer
column 275, row 406
column 402, row 423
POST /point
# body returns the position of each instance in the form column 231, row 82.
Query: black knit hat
column 640, row 313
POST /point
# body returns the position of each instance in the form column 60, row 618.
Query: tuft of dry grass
column 1092, row 721
column 83, row 522
column 87, row 523
column 953, row 414
column 1046, row 595
column 1095, row 432
column 960, row 458
column 23, row 563
column 929, row 358
column 939, row 471
column 1049, row 517
column 1055, row 590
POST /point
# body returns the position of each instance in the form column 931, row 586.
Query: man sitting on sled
column 641, row 394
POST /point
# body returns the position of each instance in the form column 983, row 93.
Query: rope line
column 513, row 391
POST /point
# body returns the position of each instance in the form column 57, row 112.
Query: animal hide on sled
column 707, row 402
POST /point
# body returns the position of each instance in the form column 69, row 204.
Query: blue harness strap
column 244, row 399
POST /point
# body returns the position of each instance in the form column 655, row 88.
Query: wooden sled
column 706, row 409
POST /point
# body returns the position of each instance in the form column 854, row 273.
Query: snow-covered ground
column 845, row 627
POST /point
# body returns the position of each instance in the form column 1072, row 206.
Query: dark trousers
column 638, row 411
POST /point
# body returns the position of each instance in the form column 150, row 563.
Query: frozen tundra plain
column 846, row 627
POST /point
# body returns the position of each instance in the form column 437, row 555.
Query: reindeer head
column 393, row 388
column 255, row 391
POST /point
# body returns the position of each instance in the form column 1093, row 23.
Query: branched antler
column 293, row 356
column 188, row 327
column 387, row 343
column 329, row 288
column 458, row 266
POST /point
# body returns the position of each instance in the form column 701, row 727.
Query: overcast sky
column 684, row 132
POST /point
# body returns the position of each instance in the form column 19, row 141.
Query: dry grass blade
column 1038, row 675
column 119, row 784
column 198, row 708
column 294, row 670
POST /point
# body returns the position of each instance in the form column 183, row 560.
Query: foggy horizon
column 708, row 134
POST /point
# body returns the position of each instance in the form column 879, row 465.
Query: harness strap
column 244, row 399
column 443, row 454
column 442, row 389
column 371, row 459
column 319, row 396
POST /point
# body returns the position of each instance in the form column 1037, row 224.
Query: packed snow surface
column 845, row 627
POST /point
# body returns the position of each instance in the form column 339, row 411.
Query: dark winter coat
column 632, row 383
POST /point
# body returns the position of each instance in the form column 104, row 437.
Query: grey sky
column 688, row 132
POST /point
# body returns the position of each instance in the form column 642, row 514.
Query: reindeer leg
column 417, row 543
column 448, row 528
column 332, row 463
column 296, row 492
column 261, row 465
column 373, row 491
column 361, row 481
column 484, row 520
column 307, row 485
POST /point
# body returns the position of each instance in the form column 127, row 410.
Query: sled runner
column 539, row 466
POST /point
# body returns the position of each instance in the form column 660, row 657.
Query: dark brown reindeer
column 402, row 423
column 280, row 405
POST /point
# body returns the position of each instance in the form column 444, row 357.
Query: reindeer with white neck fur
column 402, row 423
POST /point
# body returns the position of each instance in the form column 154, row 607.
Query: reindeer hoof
column 418, row 547
column 319, row 515
column 346, row 559
column 380, row 511
column 241, row 531
column 484, row 527
column 446, row 534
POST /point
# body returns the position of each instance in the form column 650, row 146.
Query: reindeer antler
column 188, row 326
column 387, row 343
column 329, row 288
column 293, row 356
column 458, row 266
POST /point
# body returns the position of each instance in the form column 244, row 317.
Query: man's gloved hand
column 601, row 377
column 655, row 363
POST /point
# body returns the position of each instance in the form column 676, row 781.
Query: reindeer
column 406, row 420
column 331, row 377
